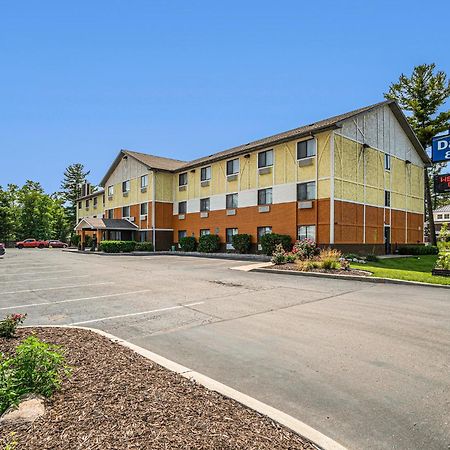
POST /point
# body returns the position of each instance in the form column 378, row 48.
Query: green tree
column 60, row 228
column 7, row 218
column 74, row 175
column 422, row 96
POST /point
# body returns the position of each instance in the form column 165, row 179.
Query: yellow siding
column 90, row 211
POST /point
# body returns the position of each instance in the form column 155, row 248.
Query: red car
column 2, row 249
column 55, row 244
column 30, row 243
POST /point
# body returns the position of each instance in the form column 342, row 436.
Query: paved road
column 366, row 364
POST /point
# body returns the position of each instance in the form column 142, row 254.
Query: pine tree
column 421, row 96
column 74, row 175
column 7, row 218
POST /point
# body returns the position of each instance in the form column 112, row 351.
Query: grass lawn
column 412, row 269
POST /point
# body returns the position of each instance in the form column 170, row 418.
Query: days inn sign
column 440, row 149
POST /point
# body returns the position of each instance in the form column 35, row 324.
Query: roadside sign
column 440, row 149
column 442, row 183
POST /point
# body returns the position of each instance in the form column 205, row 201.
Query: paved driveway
column 366, row 364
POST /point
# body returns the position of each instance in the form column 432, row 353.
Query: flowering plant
column 10, row 323
column 305, row 249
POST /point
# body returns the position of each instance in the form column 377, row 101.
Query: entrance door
column 387, row 240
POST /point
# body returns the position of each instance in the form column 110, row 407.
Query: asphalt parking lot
column 366, row 364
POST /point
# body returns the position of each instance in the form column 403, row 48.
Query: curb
column 346, row 277
column 321, row 441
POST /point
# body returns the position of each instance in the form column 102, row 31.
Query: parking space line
column 70, row 300
column 24, row 267
column 169, row 308
column 33, row 273
column 44, row 279
column 58, row 287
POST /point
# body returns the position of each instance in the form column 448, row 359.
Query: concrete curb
column 344, row 277
column 319, row 439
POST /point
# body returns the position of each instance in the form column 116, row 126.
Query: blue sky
column 81, row 80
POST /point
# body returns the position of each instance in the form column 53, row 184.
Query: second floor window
column 79, row 205
column 233, row 166
column 387, row 198
column 182, row 207
column 306, row 149
column 306, row 191
column 87, row 203
column 387, row 161
column 126, row 186
column 205, row 173
column 265, row 196
column 110, row 191
column 144, row 181
column 204, row 204
column 265, row 159
column 95, row 201
column 182, row 179
column 144, row 208
column 126, row 211
column 110, row 214
column 232, row 201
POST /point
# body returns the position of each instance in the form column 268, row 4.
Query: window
column 387, row 161
column 144, row 208
column 265, row 159
column 182, row 179
column 110, row 214
column 446, row 216
column 95, row 201
column 144, row 181
column 204, row 204
column 205, row 232
column 126, row 186
column 265, row 196
column 205, row 173
column 262, row 231
column 233, row 166
column 181, row 234
column 79, row 205
column 87, row 203
column 387, row 198
column 232, row 201
column 307, row 232
column 143, row 236
column 230, row 232
column 439, row 216
column 126, row 211
column 306, row 191
column 110, row 191
column 306, row 149
column 182, row 207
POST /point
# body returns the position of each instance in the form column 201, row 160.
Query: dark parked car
column 55, row 244
column 2, row 249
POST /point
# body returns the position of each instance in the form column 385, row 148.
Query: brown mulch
column 117, row 399
column 293, row 267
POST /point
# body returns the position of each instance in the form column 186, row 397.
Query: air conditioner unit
column 232, row 177
column 264, row 208
column 125, row 194
column 131, row 219
column 264, row 170
column 305, row 205
column 182, row 188
column 204, row 183
column 305, row 161
column 231, row 212
column 142, row 216
column 230, row 247
column 110, row 197
column 203, row 214
column 143, row 189
column 181, row 216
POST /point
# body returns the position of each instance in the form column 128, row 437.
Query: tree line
column 29, row 212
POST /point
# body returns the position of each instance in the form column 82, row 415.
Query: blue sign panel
column 440, row 149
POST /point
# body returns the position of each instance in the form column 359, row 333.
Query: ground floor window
column 143, row 236
column 144, row 209
column 230, row 232
column 262, row 231
column 307, row 232
column 181, row 234
column 115, row 235
column 205, row 232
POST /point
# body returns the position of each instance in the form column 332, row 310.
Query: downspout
column 154, row 210
column 332, row 187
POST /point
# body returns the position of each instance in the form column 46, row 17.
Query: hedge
column 209, row 243
column 117, row 246
column 188, row 244
column 242, row 243
column 418, row 250
column 144, row 247
column 271, row 240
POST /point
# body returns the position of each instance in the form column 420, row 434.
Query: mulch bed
column 117, row 399
column 293, row 266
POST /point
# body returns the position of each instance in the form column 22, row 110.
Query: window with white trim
column 204, row 204
column 144, row 181
column 265, row 159
column 126, row 186
column 79, row 205
column 232, row 201
column 233, row 166
column 205, row 232
column 144, row 209
column 110, row 191
column 230, row 232
column 87, row 203
column 387, row 161
column 306, row 149
column 265, row 196
column 181, row 234
column 205, row 173
column 182, row 179
column 306, row 232
column 125, row 211
column 182, row 206
column 387, row 198
column 95, row 201
column 110, row 214
column 261, row 231
column 306, row 191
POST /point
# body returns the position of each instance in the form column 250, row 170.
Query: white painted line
column 58, row 287
column 43, row 279
column 169, row 308
column 34, row 273
column 70, row 300
column 25, row 267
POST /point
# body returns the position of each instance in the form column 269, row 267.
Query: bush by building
column 209, row 243
column 118, row 246
column 144, row 247
column 242, row 243
column 188, row 244
column 271, row 240
column 418, row 250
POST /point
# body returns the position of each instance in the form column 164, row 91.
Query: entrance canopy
column 96, row 223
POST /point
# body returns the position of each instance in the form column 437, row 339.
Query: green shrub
column 330, row 259
column 271, row 240
column 372, row 258
column 209, row 243
column 36, row 368
column 279, row 255
column 291, row 257
column 242, row 243
column 117, row 246
column 418, row 250
column 305, row 249
column 87, row 241
column 75, row 240
column 9, row 324
column 443, row 262
column 144, row 247
column 188, row 244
